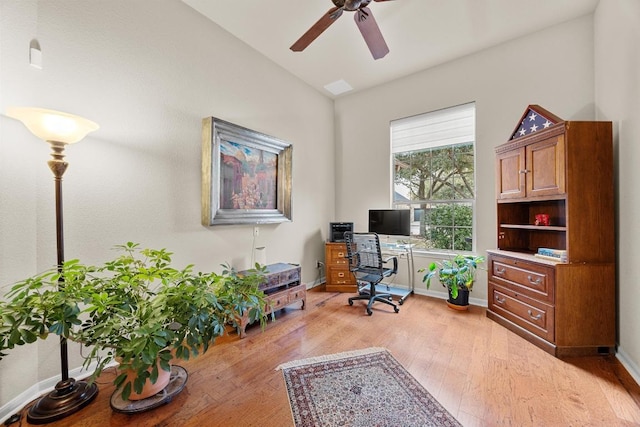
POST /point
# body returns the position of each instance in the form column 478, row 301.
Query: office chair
column 366, row 264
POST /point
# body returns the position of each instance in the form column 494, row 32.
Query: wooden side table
column 282, row 287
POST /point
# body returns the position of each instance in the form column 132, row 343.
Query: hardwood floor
column 482, row 373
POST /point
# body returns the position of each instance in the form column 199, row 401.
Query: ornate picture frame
column 246, row 175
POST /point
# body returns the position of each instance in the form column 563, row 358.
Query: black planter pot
column 461, row 302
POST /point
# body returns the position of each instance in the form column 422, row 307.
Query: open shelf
column 516, row 229
column 534, row 227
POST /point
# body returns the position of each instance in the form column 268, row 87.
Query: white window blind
column 441, row 128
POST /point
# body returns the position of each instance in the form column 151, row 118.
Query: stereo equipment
column 337, row 230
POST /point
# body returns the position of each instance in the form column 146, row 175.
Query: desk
column 400, row 250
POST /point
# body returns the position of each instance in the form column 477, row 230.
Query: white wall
column 617, row 83
column 147, row 74
column 551, row 68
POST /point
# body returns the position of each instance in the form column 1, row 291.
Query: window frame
column 416, row 204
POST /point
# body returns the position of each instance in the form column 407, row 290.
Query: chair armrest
column 395, row 262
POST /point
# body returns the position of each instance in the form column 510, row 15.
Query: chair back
column 363, row 251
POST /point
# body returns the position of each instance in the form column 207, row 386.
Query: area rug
column 359, row 388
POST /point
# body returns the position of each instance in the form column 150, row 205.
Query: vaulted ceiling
column 420, row 33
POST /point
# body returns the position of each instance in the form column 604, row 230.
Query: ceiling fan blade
column 316, row 29
column 371, row 33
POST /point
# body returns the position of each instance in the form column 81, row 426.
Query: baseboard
column 315, row 283
column 628, row 364
column 20, row 401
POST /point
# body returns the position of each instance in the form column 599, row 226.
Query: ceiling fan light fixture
column 338, row 87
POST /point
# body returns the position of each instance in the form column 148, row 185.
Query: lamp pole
column 58, row 166
column 58, row 129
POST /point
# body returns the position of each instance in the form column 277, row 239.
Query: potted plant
column 457, row 274
column 137, row 310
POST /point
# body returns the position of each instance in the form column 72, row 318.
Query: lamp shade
column 51, row 125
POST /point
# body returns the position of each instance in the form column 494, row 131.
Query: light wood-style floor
column 482, row 373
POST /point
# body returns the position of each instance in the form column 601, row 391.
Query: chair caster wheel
column 401, row 302
column 350, row 302
column 369, row 312
column 396, row 309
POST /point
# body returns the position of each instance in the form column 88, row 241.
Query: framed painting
column 246, row 175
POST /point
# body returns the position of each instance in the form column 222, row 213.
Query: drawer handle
column 524, row 171
column 534, row 282
column 500, row 271
column 340, row 274
column 538, row 317
column 500, row 301
column 341, row 254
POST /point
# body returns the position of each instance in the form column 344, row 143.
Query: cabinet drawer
column 341, row 277
column 528, row 278
column 536, row 317
column 293, row 275
column 337, row 255
column 297, row 293
column 277, row 301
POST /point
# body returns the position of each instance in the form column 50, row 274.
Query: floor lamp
column 58, row 129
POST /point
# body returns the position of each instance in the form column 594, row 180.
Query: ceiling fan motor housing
column 351, row 5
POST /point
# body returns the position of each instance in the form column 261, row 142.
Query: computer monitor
column 391, row 222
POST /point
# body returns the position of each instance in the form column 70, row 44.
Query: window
column 433, row 176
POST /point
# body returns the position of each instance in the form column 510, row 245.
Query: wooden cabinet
column 566, row 172
column 566, row 309
column 338, row 276
column 282, row 286
column 532, row 170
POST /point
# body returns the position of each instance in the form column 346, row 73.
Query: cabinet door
column 510, row 172
column 545, row 167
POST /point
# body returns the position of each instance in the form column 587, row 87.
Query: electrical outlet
column 256, row 231
column 319, row 264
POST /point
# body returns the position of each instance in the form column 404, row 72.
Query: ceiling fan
column 364, row 20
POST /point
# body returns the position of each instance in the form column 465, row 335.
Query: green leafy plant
column 454, row 273
column 136, row 309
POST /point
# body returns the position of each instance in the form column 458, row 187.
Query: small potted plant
column 457, row 274
column 137, row 310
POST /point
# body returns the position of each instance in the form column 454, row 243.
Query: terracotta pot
column 149, row 389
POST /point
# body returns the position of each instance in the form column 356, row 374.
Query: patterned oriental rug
column 359, row 388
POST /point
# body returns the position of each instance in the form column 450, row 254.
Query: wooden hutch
column 563, row 169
